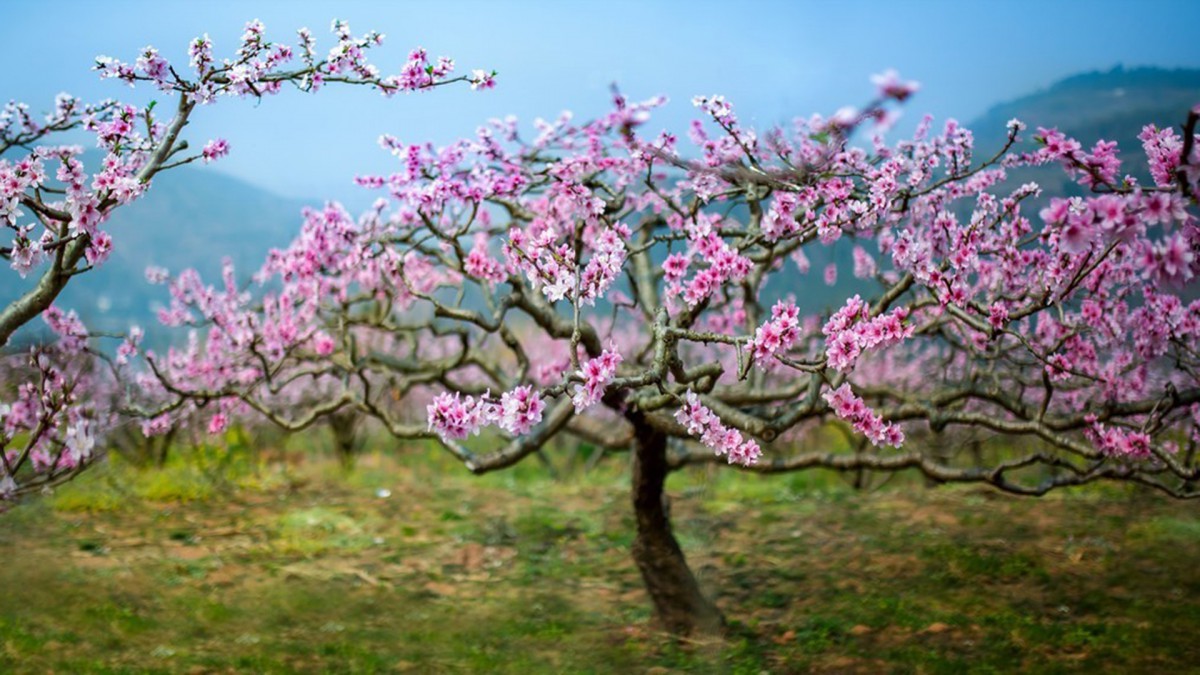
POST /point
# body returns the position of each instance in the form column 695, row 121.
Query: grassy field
column 217, row 564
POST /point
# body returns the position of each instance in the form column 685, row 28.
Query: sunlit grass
column 222, row 562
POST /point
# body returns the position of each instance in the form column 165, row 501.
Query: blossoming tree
column 52, row 225
column 596, row 282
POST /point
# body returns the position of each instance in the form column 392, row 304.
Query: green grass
column 217, row 563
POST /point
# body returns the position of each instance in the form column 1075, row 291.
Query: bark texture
column 678, row 602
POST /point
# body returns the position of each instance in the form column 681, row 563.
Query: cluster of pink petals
column 736, row 139
column 72, row 335
column 777, row 335
column 780, row 219
column 1118, row 442
column 712, row 432
column 891, row 86
column 719, row 263
column 597, row 373
column 851, row 331
column 546, row 261
column 848, row 406
column 1164, row 150
column 82, row 199
column 455, row 417
column 605, row 265
column 55, row 412
column 520, row 410
column 215, row 149
column 480, row 265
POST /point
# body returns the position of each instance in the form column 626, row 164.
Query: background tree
column 53, row 223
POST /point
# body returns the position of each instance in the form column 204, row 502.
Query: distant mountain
column 1111, row 105
column 191, row 217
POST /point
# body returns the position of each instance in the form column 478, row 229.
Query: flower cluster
column 719, row 263
column 851, row 331
column 455, row 417
column 777, row 335
column 52, row 425
column 215, row 149
column 846, row 405
column 597, row 374
column 1117, row 442
column 480, row 265
column 520, row 410
column 547, row 262
column 725, row 441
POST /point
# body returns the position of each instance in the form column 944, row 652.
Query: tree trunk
column 678, row 602
column 344, row 427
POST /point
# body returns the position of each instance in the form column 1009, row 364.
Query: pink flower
column 482, row 79
column 323, row 344
column 778, row 334
column 849, row 332
column 846, row 405
column 703, row 423
column 890, row 85
column 129, row 345
column 1077, row 235
column 454, row 417
column 1174, row 260
column 998, row 315
column 831, row 274
column 675, row 267
column 597, row 373
column 864, row 264
column 215, row 149
column 1118, row 442
column 482, row 266
column 520, row 410
column 1164, row 149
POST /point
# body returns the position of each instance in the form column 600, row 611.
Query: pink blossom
column 455, row 417
column 1164, row 149
column 215, row 149
column 482, row 266
column 777, row 335
column 723, row 440
column 597, row 373
column 846, row 405
column 1120, row 443
column 891, row 86
column 482, row 79
column 851, row 331
column 864, row 264
column 520, row 410
column 323, row 344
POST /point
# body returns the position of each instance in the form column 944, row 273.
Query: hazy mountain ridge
column 1111, row 105
column 191, row 217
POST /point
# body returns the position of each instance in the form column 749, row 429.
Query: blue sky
column 773, row 60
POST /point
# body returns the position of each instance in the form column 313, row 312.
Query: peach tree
column 594, row 281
